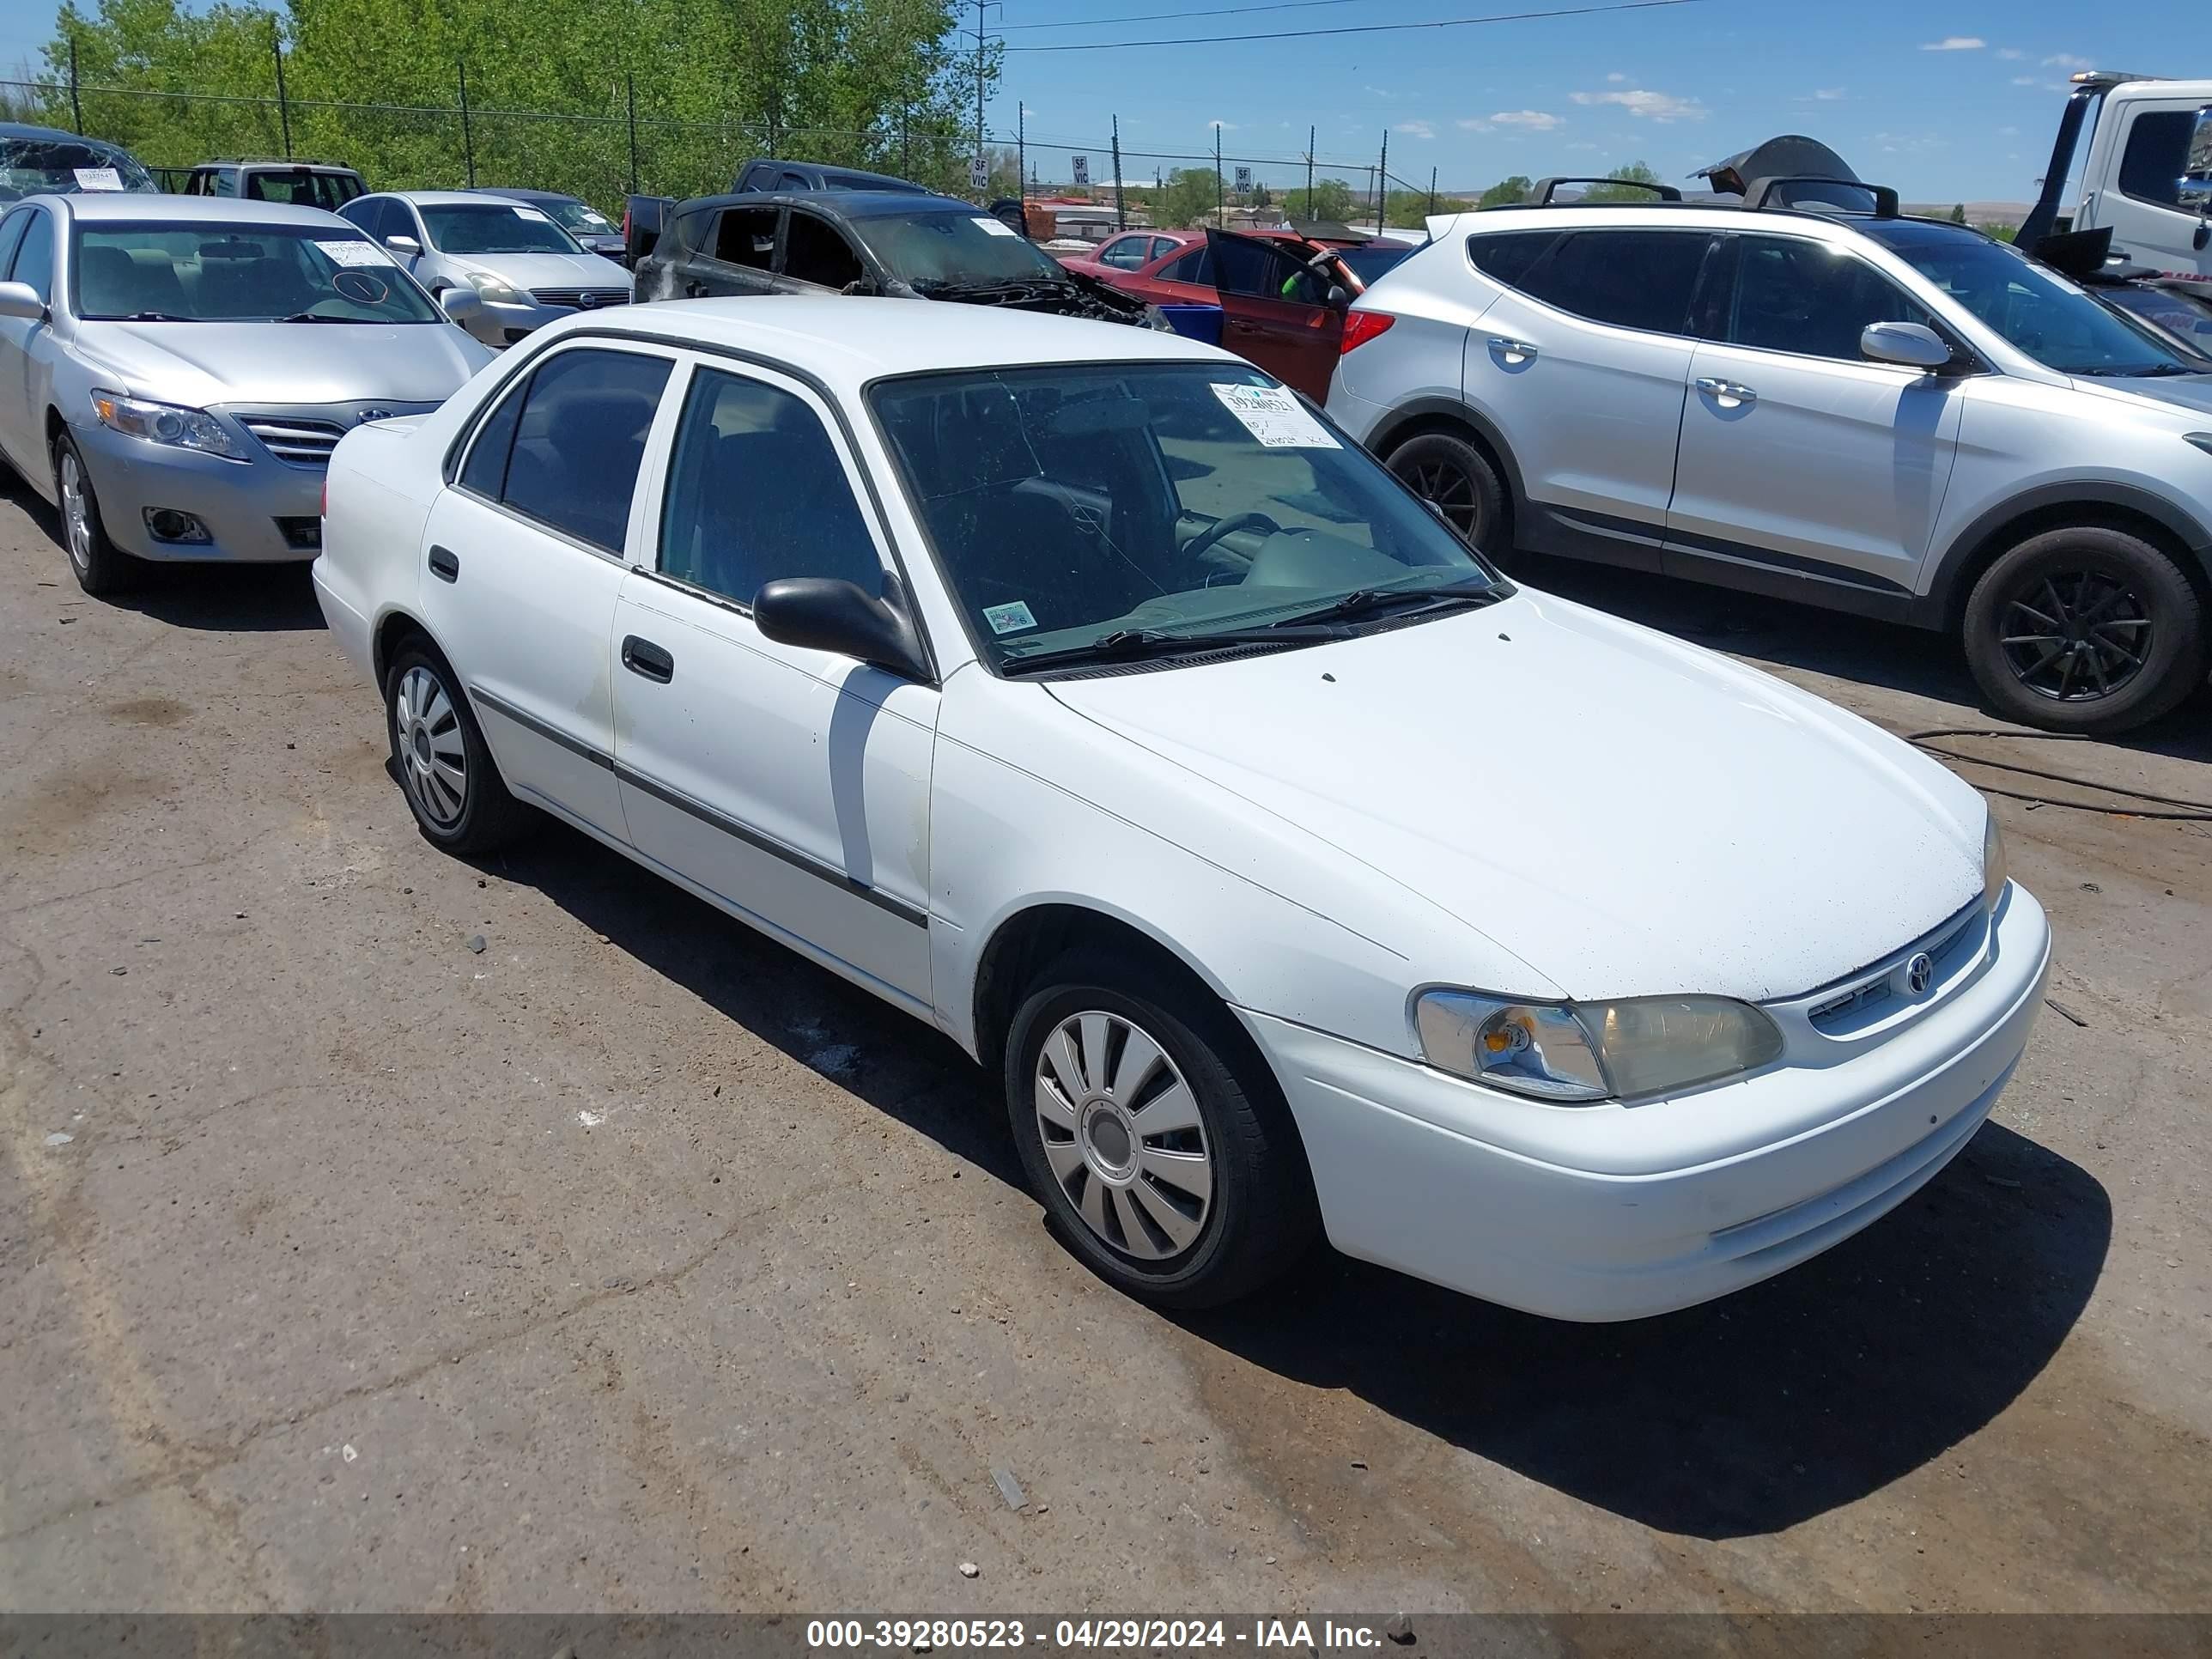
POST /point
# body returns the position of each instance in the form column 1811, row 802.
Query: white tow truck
column 2146, row 171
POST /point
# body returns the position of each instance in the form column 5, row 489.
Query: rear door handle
column 1514, row 351
column 444, row 566
column 1726, row 393
column 644, row 657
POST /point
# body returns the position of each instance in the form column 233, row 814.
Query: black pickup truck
column 904, row 244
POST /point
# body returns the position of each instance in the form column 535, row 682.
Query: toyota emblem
column 1920, row 973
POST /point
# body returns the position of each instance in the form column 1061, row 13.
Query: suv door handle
column 1514, row 351
column 647, row 659
column 444, row 566
column 1726, row 393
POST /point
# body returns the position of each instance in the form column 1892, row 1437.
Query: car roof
column 1698, row 216
column 848, row 204
column 101, row 204
column 283, row 164
column 517, row 193
column 51, row 135
column 436, row 198
column 849, row 340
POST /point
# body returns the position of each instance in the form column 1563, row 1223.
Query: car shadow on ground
column 1888, row 655
column 1744, row 1416
column 251, row 598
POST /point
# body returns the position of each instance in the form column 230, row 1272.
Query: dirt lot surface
column 635, row 1263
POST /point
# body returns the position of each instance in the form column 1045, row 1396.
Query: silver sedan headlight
column 1995, row 872
column 166, row 423
column 493, row 292
column 1577, row 1052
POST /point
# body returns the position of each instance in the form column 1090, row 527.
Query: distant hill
column 1977, row 213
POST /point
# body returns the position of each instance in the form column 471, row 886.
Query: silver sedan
column 175, row 371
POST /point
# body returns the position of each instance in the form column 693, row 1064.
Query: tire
column 2084, row 628
column 101, row 567
column 1224, row 1121
column 434, row 733
column 1452, row 475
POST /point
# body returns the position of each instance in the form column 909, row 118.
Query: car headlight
column 166, row 423
column 1995, row 872
column 493, row 292
column 1577, row 1052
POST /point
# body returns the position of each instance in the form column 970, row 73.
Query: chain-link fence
column 625, row 147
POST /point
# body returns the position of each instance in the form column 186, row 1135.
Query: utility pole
column 1220, row 193
column 1022, row 154
column 284, row 109
column 468, row 135
column 979, row 82
column 77, row 109
column 1382, row 181
column 1432, row 191
column 630, row 84
column 1310, row 164
column 1121, row 202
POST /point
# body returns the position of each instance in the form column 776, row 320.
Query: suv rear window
column 1629, row 278
column 1507, row 256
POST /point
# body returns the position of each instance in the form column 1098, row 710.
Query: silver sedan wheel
column 77, row 511
column 431, row 752
column 1123, row 1137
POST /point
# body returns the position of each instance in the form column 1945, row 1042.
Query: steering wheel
column 1214, row 532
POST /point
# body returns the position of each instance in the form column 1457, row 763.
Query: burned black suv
column 846, row 241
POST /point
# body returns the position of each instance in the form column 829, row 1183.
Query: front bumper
column 260, row 510
column 1609, row 1212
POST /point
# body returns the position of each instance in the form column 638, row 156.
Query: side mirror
column 1339, row 297
column 21, row 300
column 1908, row 345
column 404, row 245
column 820, row 613
column 461, row 304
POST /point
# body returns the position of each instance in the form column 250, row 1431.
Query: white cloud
column 1528, row 120
column 1956, row 43
column 1581, row 145
column 1828, row 94
column 2008, row 132
column 2065, row 60
column 1416, row 129
column 1616, row 77
column 2011, row 54
column 1645, row 104
column 1222, row 126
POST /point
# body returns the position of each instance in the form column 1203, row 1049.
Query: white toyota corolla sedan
column 1081, row 691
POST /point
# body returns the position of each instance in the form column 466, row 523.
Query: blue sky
column 1948, row 99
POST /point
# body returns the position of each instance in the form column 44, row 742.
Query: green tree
column 1506, row 191
column 1330, row 198
column 1999, row 233
column 1635, row 173
column 1958, row 214
column 1410, row 209
column 1190, row 197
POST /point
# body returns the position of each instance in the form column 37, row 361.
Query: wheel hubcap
column 1451, row 490
column 76, row 521
column 431, row 752
column 2077, row 636
column 1122, row 1136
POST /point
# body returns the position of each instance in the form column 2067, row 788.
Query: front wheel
column 2085, row 628
column 99, row 566
column 1160, row 1147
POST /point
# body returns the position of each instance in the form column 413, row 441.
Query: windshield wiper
column 1133, row 644
column 145, row 317
column 1366, row 601
column 312, row 317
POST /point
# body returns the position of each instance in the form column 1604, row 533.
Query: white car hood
column 546, row 270
column 1629, row 815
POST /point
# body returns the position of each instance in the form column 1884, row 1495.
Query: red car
column 1272, row 287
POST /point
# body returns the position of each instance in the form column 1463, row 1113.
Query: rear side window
column 1195, row 266
column 816, row 252
column 756, row 492
column 1506, row 256
column 2157, row 156
column 1629, row 278
column 485, row 471
column 746, row 236
column 578, row 441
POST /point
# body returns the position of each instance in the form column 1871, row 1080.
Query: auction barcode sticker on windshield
column 354, row 252
column 98, row 178
column 995, row 227
column 1275, row 417
column 531, row 213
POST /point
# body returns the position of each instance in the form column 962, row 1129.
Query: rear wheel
column 1453, row 476
column 99, row 566
column 1160, row 1146
column 2085, row 628
column 453, row 787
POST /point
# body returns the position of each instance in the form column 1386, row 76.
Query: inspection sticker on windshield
column 1008, row 618
column 98, row 178
column 995, row 227
column 1275, row 417
column 531, row 213
column 354, row 252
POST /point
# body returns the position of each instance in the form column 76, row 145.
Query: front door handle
column 1729, row 394
column 1514, row 351
column 644, row 657
column 444, row 566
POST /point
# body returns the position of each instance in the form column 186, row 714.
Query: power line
column 1359, row 28
column 1154, row 16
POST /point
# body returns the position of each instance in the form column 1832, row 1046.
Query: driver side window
column 755, row 491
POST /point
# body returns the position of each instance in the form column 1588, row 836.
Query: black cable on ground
column 2189, row 811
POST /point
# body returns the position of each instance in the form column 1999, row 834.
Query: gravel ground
column 635, row 1264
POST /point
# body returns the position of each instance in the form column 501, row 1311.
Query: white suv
column 1888, row 416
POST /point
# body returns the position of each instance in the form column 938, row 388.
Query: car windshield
column 1369, row 263
column 36, row 166
column 1098, row 507
column 578, row 217
column 955, row 249
column 2040, row 312
column 2163, row 309
column 212, row 272
column 495, row 227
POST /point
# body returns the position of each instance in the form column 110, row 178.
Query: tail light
column 1361, row 326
